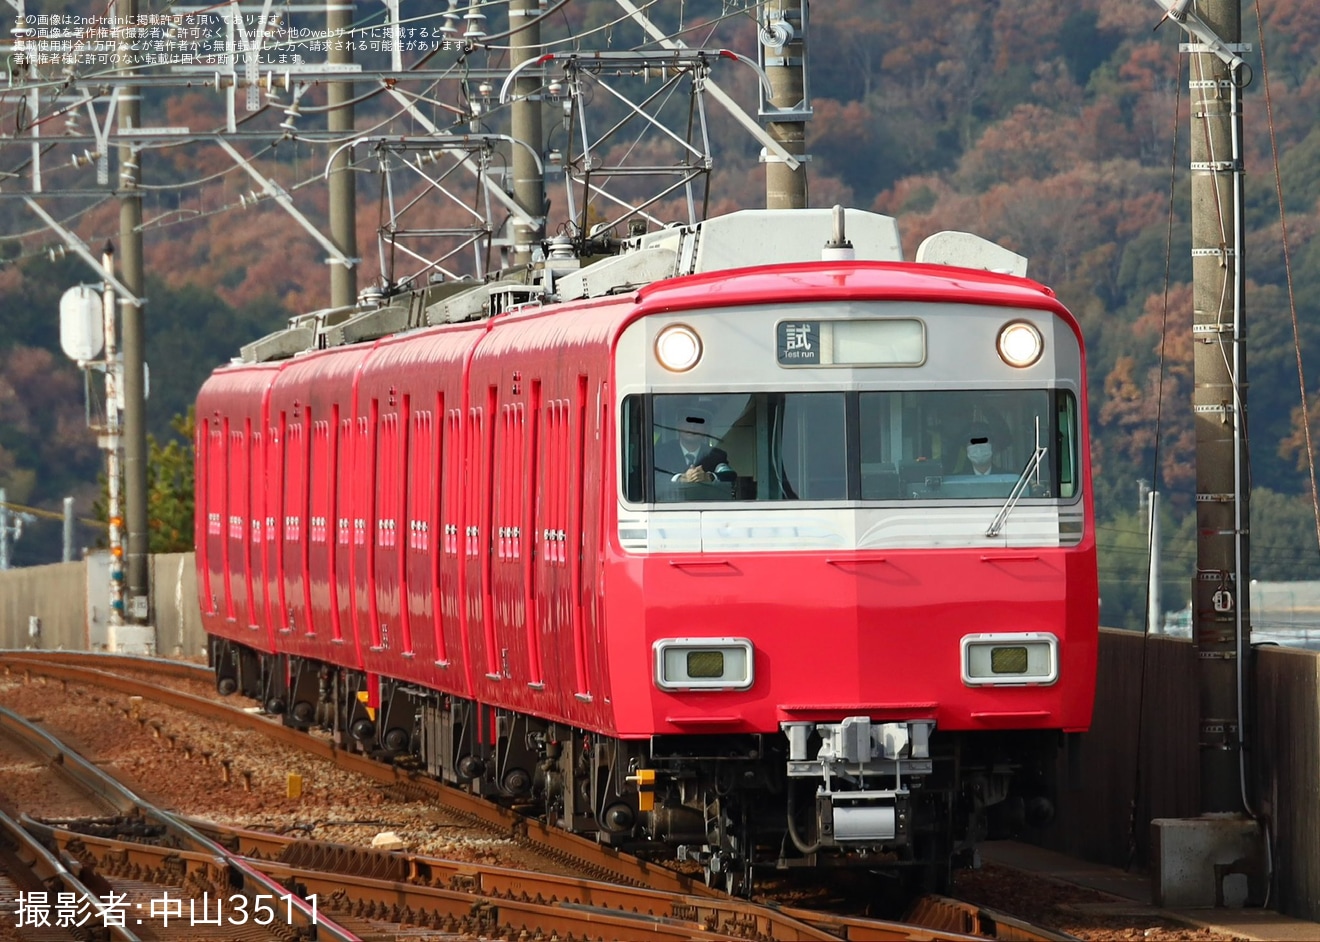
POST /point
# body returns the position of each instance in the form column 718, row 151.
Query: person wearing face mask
column 980, row 451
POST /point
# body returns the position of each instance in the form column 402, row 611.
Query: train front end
column 852, row 580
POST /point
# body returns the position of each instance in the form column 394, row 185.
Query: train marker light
column 678, row 348
column 1029, row 657
column 1020, row 344
column 703, row 663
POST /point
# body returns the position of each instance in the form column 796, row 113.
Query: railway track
column 217, row 872
column 357, row 884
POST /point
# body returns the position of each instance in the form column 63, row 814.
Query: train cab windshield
column 924, row 445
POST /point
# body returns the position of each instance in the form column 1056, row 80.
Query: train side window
column 1066, row 453
column 633, row 427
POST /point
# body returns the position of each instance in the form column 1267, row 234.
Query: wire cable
column 1151, row 549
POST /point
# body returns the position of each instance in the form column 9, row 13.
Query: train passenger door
column 450, row 641
column 364, row 516
column 597, row 455
column 202, row 515
column 319, row 594
column 530, row 541
column 577, row 539
column 296, row 454
column 509, row 622
column 236, row 525
column 343, row 548
column 419, row 576
column 477, row 551
column 257, row 584
column 250, row 514
column 273, row 564
column 558, row 501
column 216, row 490
column 389, row 631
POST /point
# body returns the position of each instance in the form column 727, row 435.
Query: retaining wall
column 72, row 601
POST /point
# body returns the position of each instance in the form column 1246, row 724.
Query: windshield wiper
column 1033, row 466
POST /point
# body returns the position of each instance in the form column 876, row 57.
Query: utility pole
column 343, row 190
column 1220, row 600
column 528, row 184
column 4, row 530
column 68, row 530
column 133, row 335
column 110, row 441
column 783, row 50
column 1187, row 869
column 1154, row 605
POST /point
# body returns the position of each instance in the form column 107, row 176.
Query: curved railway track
column 430, row 893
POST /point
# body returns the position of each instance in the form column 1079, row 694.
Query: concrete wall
column 178, row 618
column 1287, row 759
column 57, row 594
column 1141, row 760
column 71, row 599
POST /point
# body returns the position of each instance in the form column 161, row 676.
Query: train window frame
column 763, row 479
column 1066, row 436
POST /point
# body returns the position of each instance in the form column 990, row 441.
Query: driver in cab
column 693, row 458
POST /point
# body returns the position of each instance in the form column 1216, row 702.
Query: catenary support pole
column 1219, row 596
column 785, row 67
column 133, row 342
column 343, row 190
column 111, row 442
column 528, row 184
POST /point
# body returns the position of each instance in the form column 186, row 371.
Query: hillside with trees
column 1059, row 130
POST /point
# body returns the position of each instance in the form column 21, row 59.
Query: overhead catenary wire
column 177, row 216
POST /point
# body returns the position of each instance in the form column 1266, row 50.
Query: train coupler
column 862, row 799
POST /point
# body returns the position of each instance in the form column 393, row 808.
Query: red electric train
column 749, row 544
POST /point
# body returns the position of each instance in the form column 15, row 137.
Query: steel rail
column 931, row 918
column 503, row 883
column 162, row 667
column 586, row 854
column 459, row 896
column 242, row 876
column 456, row 907
column 50, row 870
column 941, row 912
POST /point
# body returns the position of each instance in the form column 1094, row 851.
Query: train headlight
column 678, row 348
column 703, row 663
column 1004, row 659
column 1020, row 344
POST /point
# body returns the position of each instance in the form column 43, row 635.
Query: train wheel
column 722, row 872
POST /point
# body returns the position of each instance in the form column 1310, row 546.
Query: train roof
column 730, row 254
